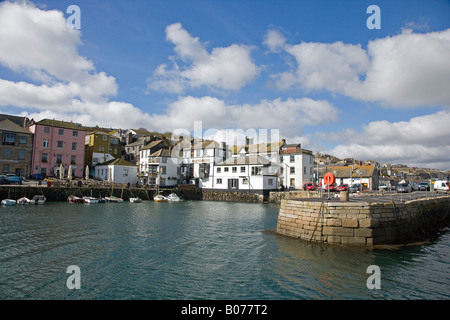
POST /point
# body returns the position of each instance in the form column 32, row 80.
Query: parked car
column 331, row 188
column 356, row 187
column 342, row 187
column 414, row 186
column 384, row 186
column 442, row 185
column 3, row 180
column 14, row 179
column 310, row 186
column 424, row 186
column 404, row 187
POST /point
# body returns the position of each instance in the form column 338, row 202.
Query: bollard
column 344, row 196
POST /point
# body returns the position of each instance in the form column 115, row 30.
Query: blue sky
column 310, row 69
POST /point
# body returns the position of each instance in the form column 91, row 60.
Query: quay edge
column 363, row 224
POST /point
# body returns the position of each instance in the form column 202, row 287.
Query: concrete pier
column 364, row 221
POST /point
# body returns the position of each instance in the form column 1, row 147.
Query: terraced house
column 55, row 143
column 16, row 149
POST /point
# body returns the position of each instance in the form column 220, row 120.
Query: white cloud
column 406, row 70
column 227, row 68
column 421, row 141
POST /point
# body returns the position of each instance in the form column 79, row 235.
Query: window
column 242, row 169
column 21, row 154
column 234, row 169
column 270, row 182
column 125, row 172
column 59, row 158
column 256, row 171
column 74, row 146
column 233, row 183
column 304, row 170
column 105, row 138
column 47, row 130
column 219, row 170
column 9, row 138
column 23, row 139
column 225, row 169
column 75, row 133
column 292, row 170
column 7, row 153
column 292, row 158
column 163, row 170
column 45, row 143
column 163, row 159
column 44, row 157
column 73, row 159
column 244, row 181
column 219, row 181
column 59, row 144
column 5, row 168
column 61, row 132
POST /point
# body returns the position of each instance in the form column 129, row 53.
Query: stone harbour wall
column 362, row 223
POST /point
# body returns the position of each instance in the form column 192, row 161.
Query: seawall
column 363, row 223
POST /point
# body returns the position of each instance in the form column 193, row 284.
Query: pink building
column 55, row 143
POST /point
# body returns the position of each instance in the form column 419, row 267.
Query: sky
column 312, row 72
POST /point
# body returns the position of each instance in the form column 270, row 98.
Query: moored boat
column 174, row 197
column 75, row 199
column 136, row 200
column 8, row 202
column 113, row 199
column 160, row 198
column 38, row 199
column 90, row 200
column 23, row 200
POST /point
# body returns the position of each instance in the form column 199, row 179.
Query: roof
column 21, row 121
column 161, row 153
column 9, row 125
column 207, row 145
column 259, row 148
column 346, row 171
column 61, row 124
column 117, row 162
column 253, row 160
column 154, row 144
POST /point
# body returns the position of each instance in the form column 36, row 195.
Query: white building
column 296, row 166
column 253, row 174
column 117, row 171
column 163, row 169
column 198, row 161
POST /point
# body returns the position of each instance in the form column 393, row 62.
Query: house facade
column 353, row 174
column 55, row 143
column 253, row 174
column 16, row 149
column 117, row 171
column 101, row 147
column 296, row 166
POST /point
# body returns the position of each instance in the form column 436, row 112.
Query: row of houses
column 44, row 148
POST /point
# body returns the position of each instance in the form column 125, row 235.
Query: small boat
column 38, row 199
column 90, row 200
column 160, row 198
column 23, row 200
column 174, row 197
column 101, row 200
column 113, row 199
column 8, row 202
column 75, row 199
column 136, row 200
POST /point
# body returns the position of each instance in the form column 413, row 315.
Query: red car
column 309, row 186
column 332, row 188
column 342, row 187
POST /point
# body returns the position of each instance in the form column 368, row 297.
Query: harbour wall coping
column 363, row 223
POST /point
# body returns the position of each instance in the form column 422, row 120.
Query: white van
column 441, row 185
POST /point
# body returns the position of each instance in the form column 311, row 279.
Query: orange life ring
column 328, row 178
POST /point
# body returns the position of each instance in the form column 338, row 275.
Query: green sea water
column 197, row 250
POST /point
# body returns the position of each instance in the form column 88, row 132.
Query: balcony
column 153, row 160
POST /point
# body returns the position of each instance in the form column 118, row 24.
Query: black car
column 3, row 180
column 424, row 186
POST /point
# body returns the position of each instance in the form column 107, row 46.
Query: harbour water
column 197, row 250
